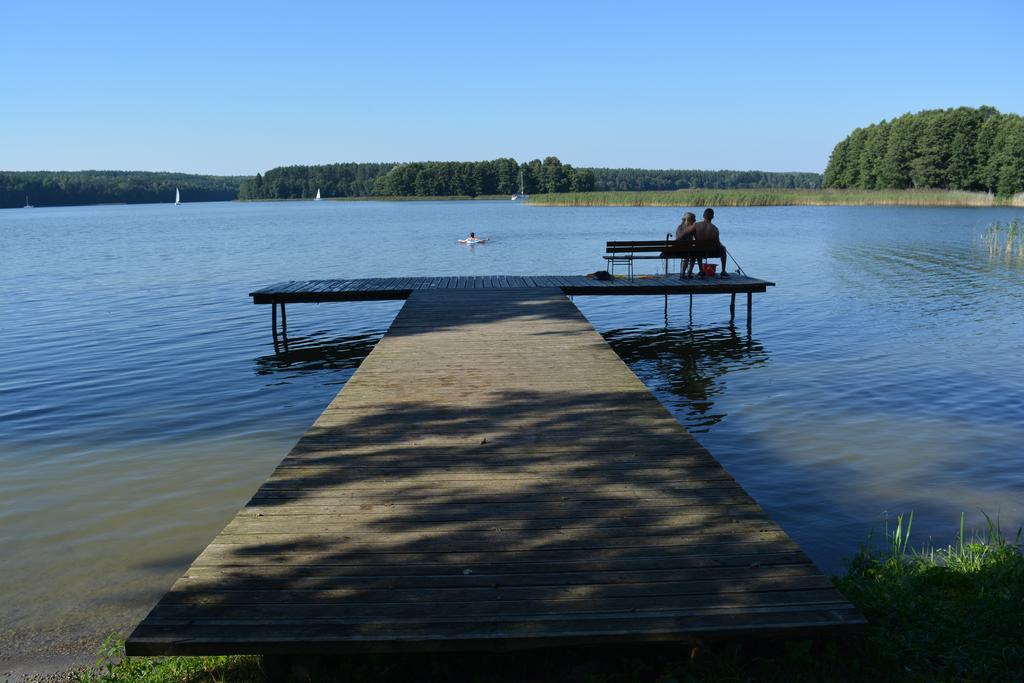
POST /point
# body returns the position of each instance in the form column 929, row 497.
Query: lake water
column 141, row 402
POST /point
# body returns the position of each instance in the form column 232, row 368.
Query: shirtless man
column 706, row 230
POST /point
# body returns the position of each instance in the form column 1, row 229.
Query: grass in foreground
column 112, row 666
column 777, row 197
column 946, row 614
column 954, row 613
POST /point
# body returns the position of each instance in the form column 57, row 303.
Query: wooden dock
column 316, row 291
column 492, row 477
column 377, row 289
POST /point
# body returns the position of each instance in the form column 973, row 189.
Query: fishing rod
column 739, row 268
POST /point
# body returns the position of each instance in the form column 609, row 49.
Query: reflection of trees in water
column 317, row 352
column 687, row 363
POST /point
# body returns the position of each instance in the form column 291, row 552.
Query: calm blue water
column 141, row 402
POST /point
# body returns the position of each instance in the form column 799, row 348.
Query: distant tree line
column 302, row 182
column 475, row 178
column 418, row 179
column 954, row 149
column 639, row 179
column 69, row 188
column 496, row 177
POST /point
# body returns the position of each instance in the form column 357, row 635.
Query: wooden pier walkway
column 493, row 476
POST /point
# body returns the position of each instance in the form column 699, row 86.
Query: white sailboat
column 27, row 205
column 522, row 194
column 317, row 197
column 177, row 197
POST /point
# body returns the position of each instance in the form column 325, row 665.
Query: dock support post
column 732, row 306
column 273, row 326
column 750, row 308
column 276, row 667
column 284, row 322
column 691, row 305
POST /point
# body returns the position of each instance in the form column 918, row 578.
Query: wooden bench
column 620, row 252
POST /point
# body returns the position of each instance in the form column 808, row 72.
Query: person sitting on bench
column 706, row 230
column 684, row 233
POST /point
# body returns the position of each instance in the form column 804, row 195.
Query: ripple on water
column 142, row 400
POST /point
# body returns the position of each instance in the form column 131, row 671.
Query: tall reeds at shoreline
column 1005, row 242
column 778, row 197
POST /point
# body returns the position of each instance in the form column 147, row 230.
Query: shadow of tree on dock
column 443, row 501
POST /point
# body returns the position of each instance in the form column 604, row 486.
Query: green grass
column 954, row 613
column 936, row 614
column 777, row 197
column 113, row 667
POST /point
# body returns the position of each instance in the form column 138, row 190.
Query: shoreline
column 689, row 198
column 777, row 197
column 454, row 198
column 49, row 667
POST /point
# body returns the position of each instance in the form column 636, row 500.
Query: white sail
column 522, row 194
column 317, row 197
column 177, row 196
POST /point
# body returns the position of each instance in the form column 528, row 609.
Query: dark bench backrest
column 637, row 246
column 670, row 248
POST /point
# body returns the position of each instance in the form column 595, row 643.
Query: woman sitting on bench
column 684, row 233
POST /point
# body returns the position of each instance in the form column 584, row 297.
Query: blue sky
column 237, row 88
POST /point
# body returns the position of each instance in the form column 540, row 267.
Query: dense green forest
column 69, row 188
column 497, row 177
column 301, row 182
column 471, row 179
column 418, row 179
column 955, row 149
column 980, row 150
column 639, row 179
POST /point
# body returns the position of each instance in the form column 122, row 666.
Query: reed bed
column 778, row 197
column 935, row 614
column 1004, row 242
